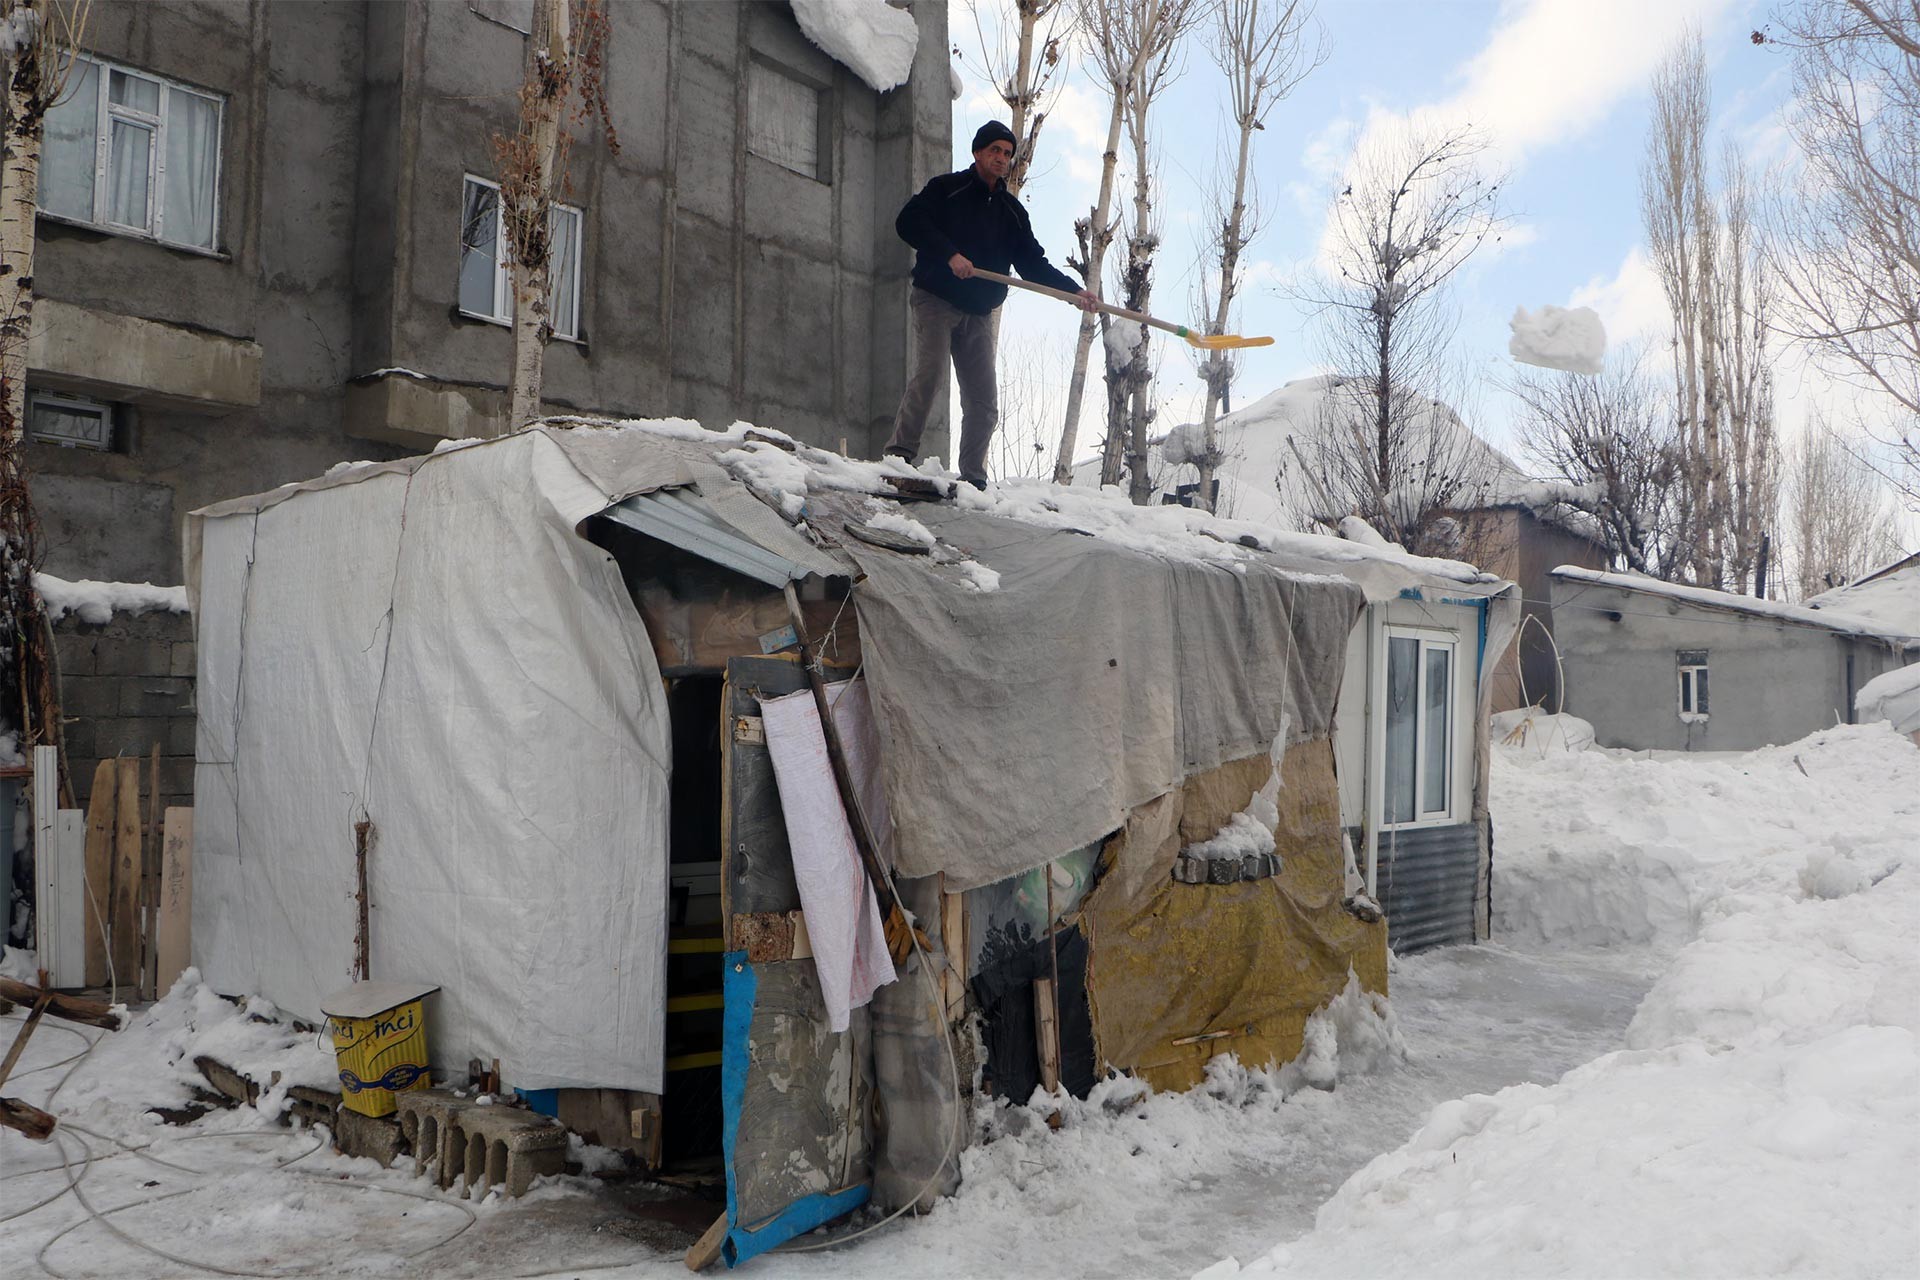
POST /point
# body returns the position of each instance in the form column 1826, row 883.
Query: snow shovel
column 1204, row 341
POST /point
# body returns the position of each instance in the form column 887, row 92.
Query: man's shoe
column 901, row 454
column 977, row 482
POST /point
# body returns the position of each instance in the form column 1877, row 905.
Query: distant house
column 1655, row 665
column 1510, row 524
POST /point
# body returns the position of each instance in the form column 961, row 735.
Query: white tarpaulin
column 432, row 648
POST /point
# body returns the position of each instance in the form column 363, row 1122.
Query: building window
column 1693, row 684
column 486, row 282
column 1419, row 728
column 69, row 421
column 786, row 120
column 134, row 153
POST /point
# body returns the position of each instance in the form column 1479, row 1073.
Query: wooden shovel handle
column 1138, row 317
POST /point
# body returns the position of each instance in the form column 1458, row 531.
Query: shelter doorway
column 690, row 1103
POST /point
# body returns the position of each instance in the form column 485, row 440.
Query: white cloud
column 1632, row 305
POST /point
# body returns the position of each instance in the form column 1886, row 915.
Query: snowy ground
column 1720, row 952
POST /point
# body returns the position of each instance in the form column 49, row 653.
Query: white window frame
column 74, row 404
column 1427, row 640
column 106, row 111
column 502, row 313
column 1687, row 695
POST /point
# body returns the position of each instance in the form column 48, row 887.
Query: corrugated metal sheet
column 679, row 517
column 1427, row 877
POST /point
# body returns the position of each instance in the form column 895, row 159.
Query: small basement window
column 71, row 422
column 1693, row 685
column 786, row 120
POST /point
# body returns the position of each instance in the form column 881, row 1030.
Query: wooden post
column 150, row 882
column 1046, row 1032
column 126, row 878
column 174, row 932
column 99, row 870
column 362, row 932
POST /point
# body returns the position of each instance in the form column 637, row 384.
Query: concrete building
column 1652, row 664
column 268, row 244
column 1519, row 543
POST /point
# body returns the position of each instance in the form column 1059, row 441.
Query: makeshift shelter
column 499, row 718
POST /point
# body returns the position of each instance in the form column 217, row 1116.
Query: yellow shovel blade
column 1225, row 341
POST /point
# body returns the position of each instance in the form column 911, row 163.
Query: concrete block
column 78, row 737
column 315, row 1106
column 147, row 695
column 90, row 695
column 488, row 1146
column 74, row 649
column 176, row 775
column 182, row 733
column 375, row 1137
column 181, row 660
column 132, row 656
column 127, row 735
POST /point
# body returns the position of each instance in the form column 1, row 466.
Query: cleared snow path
column 1159, row 1187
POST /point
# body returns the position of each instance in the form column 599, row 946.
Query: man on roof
column 957, row 222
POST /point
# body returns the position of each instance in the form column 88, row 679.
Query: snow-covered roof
column 1271, row 449
column 870, row 38
column 1889, row 596
column 1832, row 619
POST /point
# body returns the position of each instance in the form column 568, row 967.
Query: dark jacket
column 957, row 213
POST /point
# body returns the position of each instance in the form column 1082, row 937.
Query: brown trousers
column 940, row 330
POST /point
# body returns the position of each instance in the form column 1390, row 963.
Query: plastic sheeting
column 1112, row 674
column 431, row 647
column 1172, row 963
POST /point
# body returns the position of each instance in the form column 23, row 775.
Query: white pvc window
column 1693, row 686
column 134, row 153
column 486, row 279
column 1419, row 729
column 72, row 422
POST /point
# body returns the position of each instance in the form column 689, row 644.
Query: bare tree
column 1123, row 37
column 1260, row 47
column 1842, row 524
column 1030, row 395
column 1845, row 240
column 1746, row 499
column 1416, row 208
column 564, row 89
column 38, row 39
column 1023, row 71
column 1612, row 437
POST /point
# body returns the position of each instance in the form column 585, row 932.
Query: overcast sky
column 1560, row 87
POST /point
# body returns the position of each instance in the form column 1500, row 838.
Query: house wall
column 715, row 284
column 1769, row 681
column 1515, row 544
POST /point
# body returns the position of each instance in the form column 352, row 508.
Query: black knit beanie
column 991, row 132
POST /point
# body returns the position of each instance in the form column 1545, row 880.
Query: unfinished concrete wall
column 1769, row 681
column 715, row 284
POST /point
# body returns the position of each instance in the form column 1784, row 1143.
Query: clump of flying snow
column 1764, row 1116
column 1893, row 696
column 870, row 38
column 1566, row 338
column 97, row 602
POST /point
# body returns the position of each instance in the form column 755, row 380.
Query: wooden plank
column 695, row 946
column 124, row 920
column 150, row 882
column 174, row 931
column 694, row 1061
column 93, row 1013
column 696, row 1003
column 100, row 818
column 28, row 1119
column 26, row 1033
column 1046, row 1032
column 707, row 1248
column 953, row 940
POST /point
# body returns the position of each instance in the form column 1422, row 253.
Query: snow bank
column 870, row 38
column 1567, row 338
column 1765, row 1117
column 1893, row 696
column 97, row 602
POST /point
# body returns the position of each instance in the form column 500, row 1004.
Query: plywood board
column 174, row 936
column 101, row 812
column 125, row 916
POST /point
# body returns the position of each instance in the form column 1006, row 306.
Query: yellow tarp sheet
column 1170, row 961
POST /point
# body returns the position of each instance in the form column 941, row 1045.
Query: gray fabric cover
column 1021, row 723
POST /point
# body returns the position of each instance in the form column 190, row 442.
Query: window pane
column 566, row 257
column 1700, row 691
column 135, row 92
column 128, row 153
column 67, row 147
column 1433, row 730
column 69, row 425
column 193, row 162
column 1402, row 681
column 479, row 250
column 783, row 120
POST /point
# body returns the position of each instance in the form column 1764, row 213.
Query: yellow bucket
column 379, row 1041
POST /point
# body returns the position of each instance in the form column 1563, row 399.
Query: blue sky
column 1559, row 86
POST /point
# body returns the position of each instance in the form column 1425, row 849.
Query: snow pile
column 10, row 752
column 1600, row 848
column 1567, row 338
column 1540, row 733
column 1765, row 1117
column 979, row 576
column 97, row 602
column 1123, row 337
column 870, row 38
column 18, row 27
column 1893, row 696
column 1354, row 529
column 904, row 526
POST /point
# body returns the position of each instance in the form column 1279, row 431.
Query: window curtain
column 129, row 170
column 193, row 162
column 67, row 146
column 566, row 253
